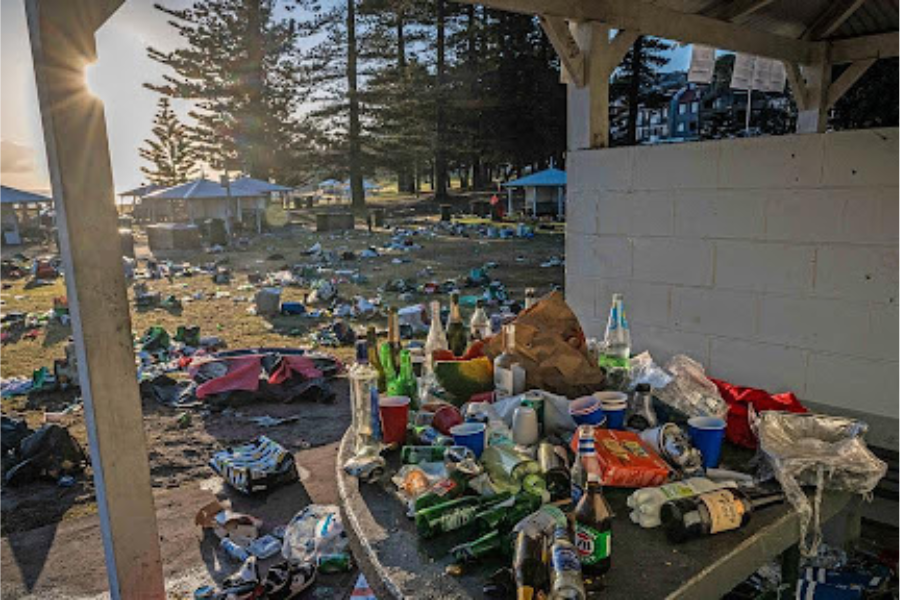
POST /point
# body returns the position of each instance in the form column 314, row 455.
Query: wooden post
column 817, row 76
column 62, row 44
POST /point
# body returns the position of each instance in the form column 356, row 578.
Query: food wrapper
column 624, row 460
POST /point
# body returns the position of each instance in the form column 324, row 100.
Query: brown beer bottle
column 593, row 529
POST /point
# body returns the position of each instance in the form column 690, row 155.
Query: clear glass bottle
column 362, row 378
column 509, row 375
column 617, row 341
column 566, row 582
column 479, row 324
column 437, row 339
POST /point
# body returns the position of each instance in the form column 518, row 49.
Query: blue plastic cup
column 587, row 411
column 470, row 435
column 706, row 435
column 614, row 406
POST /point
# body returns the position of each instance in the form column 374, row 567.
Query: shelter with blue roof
column 545, row 192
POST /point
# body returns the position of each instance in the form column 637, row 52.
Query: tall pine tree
column 170, row 151
column 239, row 66
column 636, row 78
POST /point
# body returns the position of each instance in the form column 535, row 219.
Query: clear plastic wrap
column 815, row 450
column 690, row 391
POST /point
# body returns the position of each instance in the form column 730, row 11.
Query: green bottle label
column 593, row 546
column 456, row 518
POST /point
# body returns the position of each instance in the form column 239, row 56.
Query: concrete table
column 398, row 564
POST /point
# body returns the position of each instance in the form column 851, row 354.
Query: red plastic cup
column 394, row 413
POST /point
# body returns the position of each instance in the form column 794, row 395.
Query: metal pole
column 749, row 108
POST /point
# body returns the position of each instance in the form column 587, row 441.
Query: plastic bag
column 820, row 450
column 314, row 533
column 644, row 370
column 690, row 391
column 557, row 419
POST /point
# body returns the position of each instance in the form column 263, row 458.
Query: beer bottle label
column 565, row 559
column 456, row 518
column 593, row 545
column 725, row 511
column 444, row 487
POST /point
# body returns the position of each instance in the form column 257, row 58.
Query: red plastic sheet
column 740, row 398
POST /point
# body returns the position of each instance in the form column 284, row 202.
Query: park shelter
column 205, row 199
column 19, row 207
column 798, row 225
column 133, row 202
column 545, row 192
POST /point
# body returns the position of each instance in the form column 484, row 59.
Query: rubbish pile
column 312, row 542
column 510, row 429
column 48, row 453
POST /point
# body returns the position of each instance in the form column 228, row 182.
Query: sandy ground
column 51, row 542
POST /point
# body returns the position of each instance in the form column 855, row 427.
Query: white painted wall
column 773, row 261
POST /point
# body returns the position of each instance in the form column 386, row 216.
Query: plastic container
column 446, row 418
column 470, row 435
column 707, row 434
column 615, row 405
column 394, row 411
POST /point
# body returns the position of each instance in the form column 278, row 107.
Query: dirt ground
column 51, row 545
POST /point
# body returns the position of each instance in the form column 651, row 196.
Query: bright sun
column 91, row 78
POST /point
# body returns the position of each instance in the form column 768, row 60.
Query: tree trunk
column 440, row 149
column 405, row 182
column 256, row 162
column 357, row 193
column 634, row 89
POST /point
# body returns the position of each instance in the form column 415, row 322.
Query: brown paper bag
column 551, row 346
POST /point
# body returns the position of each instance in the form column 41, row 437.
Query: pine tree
column 170, row 151
column 636, row 78
column 239, row 66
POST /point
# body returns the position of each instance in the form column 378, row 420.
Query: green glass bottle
column 503, row 517
column 404, row 384
column 491, row 543
column 374, row 360
column 452, row 487
column 454, row 514
column 413, row 455
column 457, row 337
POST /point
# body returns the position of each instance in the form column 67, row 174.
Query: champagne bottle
column 479, row 324
column 452, row 515
column 565, row 579
column 394, row 335
column 712, row 512
column 374, row 360
column 593, row 528
column 437, row 339
column 456, row 331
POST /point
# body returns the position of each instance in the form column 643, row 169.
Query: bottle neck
column 510, row 339
column 455, row 316
column 393, row 328
column 758, row 501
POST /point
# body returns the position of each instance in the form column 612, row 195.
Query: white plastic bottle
column 647, row 502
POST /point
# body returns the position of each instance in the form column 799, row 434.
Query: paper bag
column 552, row 348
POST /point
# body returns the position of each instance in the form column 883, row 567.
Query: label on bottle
column 565, row 559
column 725, row 511
column 676, row 490
column 456, row 518
column 504, row 382
column 443, row 487
column 593, row 545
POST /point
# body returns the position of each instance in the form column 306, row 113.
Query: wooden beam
column 831, row 19
column 814, row 117
column 798, row 85
column 735, row 9
column 598, row 82
column 882, row 45
column 650, row 19
column 619, row 47
column 566, row 47
column 62, row 44
column 851, row 75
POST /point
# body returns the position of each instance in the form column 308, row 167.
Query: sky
column 117, row 78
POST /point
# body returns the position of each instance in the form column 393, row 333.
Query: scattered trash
column 255, row 467
column 316, row 535
column 49, row 453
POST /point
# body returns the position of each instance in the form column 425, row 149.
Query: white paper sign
column 703, row 63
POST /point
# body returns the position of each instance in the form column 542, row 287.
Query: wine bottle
column 479, row 324
column 712, row 512
column 456, row 331
column 509, row 375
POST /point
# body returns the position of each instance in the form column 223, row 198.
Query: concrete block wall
column 773, row 261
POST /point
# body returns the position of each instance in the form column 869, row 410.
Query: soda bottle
column 565, row 574
column 593, row 528
column 456, row 331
